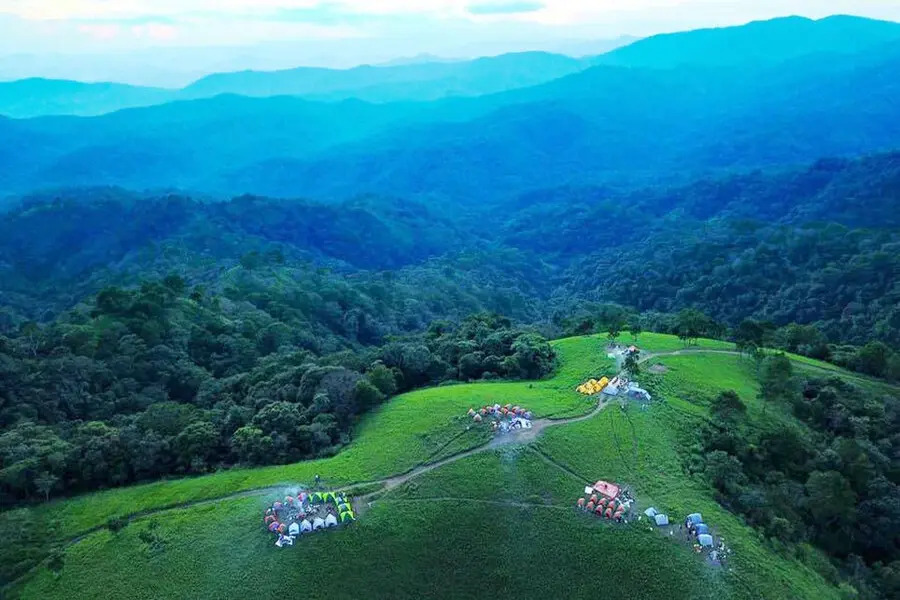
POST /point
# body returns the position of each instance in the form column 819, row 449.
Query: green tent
column 347, row 516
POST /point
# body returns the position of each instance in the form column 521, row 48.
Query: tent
column 270, row 519
column 273, row 526
column 590, row 506
column 343, row 507
column 661, row 520
column 702, row 528
column 294, row 529
column 318, row 523
column 650, row 512
column 346, row 516
column 694, row 518
column 705, row 539
column 610, row 490
column 305, row 525
column 331, row 520
column 527, row 415
column 581, row 503
column 609, row 513
column 278, row 506
column 471, row 412
column 477, row 418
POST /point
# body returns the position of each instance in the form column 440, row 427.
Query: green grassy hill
column 498, row 521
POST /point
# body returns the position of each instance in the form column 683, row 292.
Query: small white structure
column 318, row 523
column 521, row 423
column 284, row 540
column 305, row 526
column 661, row 520
column 294, row 529
column 588, row 490
column 330, row 520
column 651, row 513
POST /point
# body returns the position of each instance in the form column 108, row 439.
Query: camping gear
column 661, row 520
column 270, row 519
column 477, row 418
column 694, row 518
column 318, row 523
column 705, row 539
column 278, row 506
column 609, row 513
column 594, row 498
column 282, row 528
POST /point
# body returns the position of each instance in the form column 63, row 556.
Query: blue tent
column 702, row 528
column 661, row 520
column 695, row 518
column 705, row 540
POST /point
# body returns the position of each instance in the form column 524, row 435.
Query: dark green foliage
column 834, row 484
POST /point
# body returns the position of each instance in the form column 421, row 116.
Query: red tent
column 270, row 519
column 581, row 503
column 273, row 526
column 590, row 506
column 594, row 498
column 610, row 490
column 609, row 513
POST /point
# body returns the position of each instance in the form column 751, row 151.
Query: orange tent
column 581, row 503
column 590, row 506
column 609, row 513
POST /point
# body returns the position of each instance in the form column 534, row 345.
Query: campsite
column 419, row 476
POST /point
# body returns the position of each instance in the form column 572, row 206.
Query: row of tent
column 598, row 505
column 592, row 386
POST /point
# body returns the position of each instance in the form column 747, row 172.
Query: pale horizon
column 172, row 42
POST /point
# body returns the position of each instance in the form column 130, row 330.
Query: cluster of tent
column 699, row 529
column 693, row 522
column 592, row 386
column 499, row 412
column 603, row 507
column 301, row 514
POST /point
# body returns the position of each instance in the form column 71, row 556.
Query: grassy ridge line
column 396, row 438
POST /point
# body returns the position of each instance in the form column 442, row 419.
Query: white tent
column 294, row 529
column 330, row 520
column 705, row 539
column 305, row 525
column 661, row 520
column 318, row 523
column 650, row 512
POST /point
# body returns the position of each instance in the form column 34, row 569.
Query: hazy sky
column 343, row 32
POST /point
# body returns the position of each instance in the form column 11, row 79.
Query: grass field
column 418, row 542
column 500, row 522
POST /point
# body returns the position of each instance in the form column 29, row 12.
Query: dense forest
column 833, row 482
